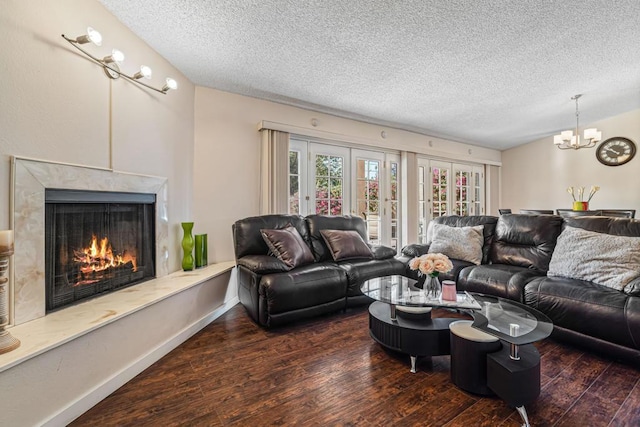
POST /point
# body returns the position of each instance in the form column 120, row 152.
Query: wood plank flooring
column 328, row 371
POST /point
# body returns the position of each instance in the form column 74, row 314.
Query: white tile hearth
column 60, row 327
column 30, row 180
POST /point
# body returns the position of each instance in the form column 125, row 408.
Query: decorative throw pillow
column 605, row 259
column 346, row 244
column 463, row 243
column 288, row 246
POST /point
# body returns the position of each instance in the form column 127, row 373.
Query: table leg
column 523, row 413
column 413, row 363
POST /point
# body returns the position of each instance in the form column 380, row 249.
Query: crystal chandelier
column 567, row 139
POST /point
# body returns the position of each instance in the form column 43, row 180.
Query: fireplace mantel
column 30, row 180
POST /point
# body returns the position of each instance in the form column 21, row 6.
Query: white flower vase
column 432, row 288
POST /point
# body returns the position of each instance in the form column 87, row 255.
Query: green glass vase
column 187, row 246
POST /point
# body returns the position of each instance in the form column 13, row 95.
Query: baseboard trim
column 100, row 392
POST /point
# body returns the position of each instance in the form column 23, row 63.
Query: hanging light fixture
column 111, row 63
column 567, row 140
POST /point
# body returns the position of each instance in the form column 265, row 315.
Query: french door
column 447, row 189
column 331, row 180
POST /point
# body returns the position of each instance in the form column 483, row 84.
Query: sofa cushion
column 263, row 264
column 346, row 244
column 360, row 270
column 248, row 240
column 324, row 222
column 382, row 252
column 526, row 240
column 587, row 307
column 495, row 279
column 489, row 223
column 463, row 243
column 287, row 245
column 306, row 286
column 611, row 261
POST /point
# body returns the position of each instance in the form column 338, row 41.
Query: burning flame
column 99, row 257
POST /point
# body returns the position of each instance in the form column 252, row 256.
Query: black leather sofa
column 274, row 294
column 516, row 255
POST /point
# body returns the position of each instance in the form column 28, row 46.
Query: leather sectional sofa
column 274, row 293
column 518, row 251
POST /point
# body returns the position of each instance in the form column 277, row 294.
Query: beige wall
column 58, row 106
column 536, row 175
column 227, row 155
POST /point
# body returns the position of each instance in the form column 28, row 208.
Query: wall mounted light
column 111, row 63
column 144, row 72
column 92, row 36
column 170, row 84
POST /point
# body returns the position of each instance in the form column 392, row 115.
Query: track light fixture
column 144, row 72
column 169, row 85
column 92, row 36
column 110, row 63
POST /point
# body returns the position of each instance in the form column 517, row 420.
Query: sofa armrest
column 633, row 288
column 382, row 252
column 262, row 264
column 415, row 250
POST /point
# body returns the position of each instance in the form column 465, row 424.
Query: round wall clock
column 616, row 151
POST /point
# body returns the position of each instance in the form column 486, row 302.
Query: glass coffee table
column 400, row 320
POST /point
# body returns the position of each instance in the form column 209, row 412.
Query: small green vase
column 187, row 246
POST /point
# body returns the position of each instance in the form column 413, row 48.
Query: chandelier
column 567, row 139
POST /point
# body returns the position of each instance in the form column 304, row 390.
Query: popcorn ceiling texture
column 494, row 73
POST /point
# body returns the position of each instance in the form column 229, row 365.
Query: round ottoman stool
column 469, row 349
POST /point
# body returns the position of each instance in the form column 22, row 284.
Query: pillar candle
column 6, row 241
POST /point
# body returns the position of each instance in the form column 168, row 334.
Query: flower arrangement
column 578, row 203
column 431, row 264
column 580, row 192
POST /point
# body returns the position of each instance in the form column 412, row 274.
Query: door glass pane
column 440, row 180
column 463, row 193
column 368, row 196
column 393, row 198
column 294, row 182
column 329, row 185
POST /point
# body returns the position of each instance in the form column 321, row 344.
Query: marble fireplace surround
column 30, row 179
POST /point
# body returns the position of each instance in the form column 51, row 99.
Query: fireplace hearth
column 96, row 242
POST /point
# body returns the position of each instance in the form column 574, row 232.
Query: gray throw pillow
column 463, row 243
column 605, row 259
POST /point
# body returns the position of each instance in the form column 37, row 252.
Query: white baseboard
column 100, row 392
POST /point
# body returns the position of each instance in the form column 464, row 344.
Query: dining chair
column 619, row 213
column 570, row 212
column 537, row 211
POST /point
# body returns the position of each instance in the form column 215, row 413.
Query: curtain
column 274, row 172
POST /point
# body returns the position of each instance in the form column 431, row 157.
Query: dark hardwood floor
column 328, row 371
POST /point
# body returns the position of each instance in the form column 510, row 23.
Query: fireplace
column 96, row 242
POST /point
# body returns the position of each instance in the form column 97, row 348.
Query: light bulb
column 144, row 72
column 116, row 56
column 92, row 36
column 170, row 84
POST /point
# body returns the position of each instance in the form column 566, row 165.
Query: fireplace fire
column 98, row 261
column 96, row 242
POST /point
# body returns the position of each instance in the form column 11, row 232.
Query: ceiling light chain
column 567, row 140
column 111, row 62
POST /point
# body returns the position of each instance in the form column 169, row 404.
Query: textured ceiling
column 487, row 72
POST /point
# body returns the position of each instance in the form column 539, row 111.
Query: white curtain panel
column 274, row 172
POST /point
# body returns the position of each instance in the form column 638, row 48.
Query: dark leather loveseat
column 517, row 252
column 274, row 293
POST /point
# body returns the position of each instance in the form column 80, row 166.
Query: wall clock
column 616, row 151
